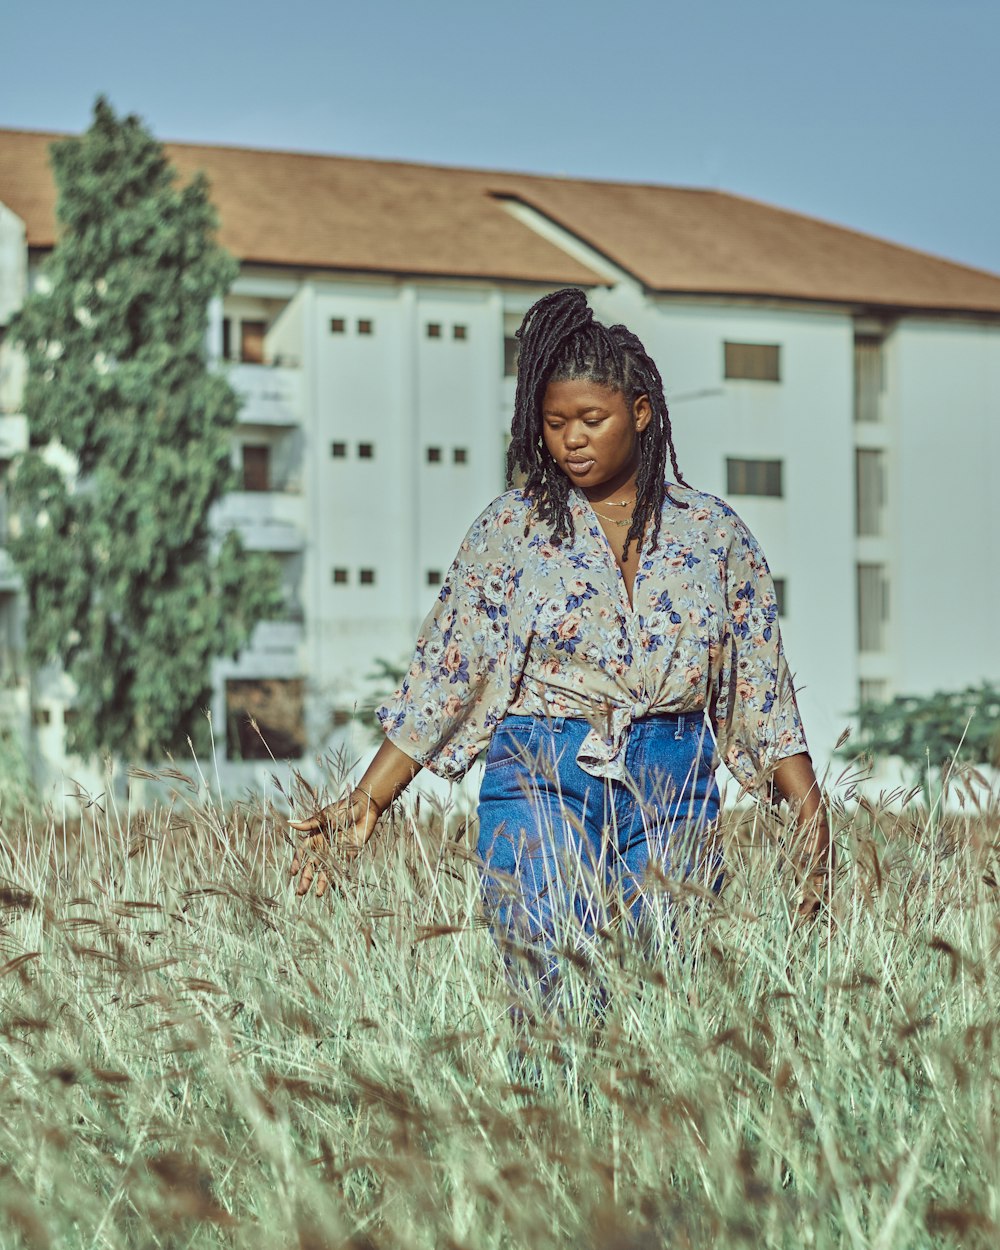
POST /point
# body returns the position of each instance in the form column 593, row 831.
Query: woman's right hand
column 348, row 823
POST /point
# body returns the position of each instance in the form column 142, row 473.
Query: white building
column 841, row 391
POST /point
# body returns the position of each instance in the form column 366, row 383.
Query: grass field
column 190, row 1056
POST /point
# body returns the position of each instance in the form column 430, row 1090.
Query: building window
column 291, row 566
column 756, row 362
column 869, row 489
column 227, row 338
column 781, row 596
column 433, row 455
column 433, row 577
column 869, row 377
column 41, row 716
column 433, row 329
column 367, row 577
column 340, row 577
column 511, row 325
column 338, row 450
column 871, row 690
column 460, row 332
column 366, row 451
column 337, row 325
column 256, row 466
column 366, row 327
column 753, row 477
column 460, row 455
column 252, row 341
column 264, row 718
column 340, row 716
column 4, row 469
column 873, row 607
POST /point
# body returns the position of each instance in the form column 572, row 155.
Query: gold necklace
column 621, row 522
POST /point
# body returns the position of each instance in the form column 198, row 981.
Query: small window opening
column 756, row 362
column 265, row 719
column 256, row 467
column 753, row 477
column 252, row 341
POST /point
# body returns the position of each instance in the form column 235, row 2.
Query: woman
column 593, row 625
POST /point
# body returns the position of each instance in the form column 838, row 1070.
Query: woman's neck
column 618, row 489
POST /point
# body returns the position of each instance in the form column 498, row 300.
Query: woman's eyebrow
column 552, row 412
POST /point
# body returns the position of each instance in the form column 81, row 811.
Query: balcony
column 267, row 520
column 273, row 650
column 271, row 394
column 277, row 637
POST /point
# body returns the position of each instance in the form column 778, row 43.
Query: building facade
column 841, row 392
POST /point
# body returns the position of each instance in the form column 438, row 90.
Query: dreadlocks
column 560, row 341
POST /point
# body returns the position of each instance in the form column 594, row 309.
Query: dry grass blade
column 18, row 962
column 193, row 1056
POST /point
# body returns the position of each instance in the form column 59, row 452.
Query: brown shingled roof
column 326, row 212
column 682, row 240
column 335, row 212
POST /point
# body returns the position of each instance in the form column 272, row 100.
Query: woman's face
column 592, row 433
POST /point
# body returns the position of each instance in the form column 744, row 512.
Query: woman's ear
column 642, row 413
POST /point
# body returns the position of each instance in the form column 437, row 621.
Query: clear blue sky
column 878, row 114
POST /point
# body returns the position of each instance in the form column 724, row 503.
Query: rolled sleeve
column 467, row 660
column 756, row 711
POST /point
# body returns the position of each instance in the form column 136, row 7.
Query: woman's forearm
column 388, row 775
column 796, row 781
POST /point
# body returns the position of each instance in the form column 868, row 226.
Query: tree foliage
column 931, row 730
column 128, row 588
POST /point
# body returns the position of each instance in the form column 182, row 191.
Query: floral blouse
column 524, row 626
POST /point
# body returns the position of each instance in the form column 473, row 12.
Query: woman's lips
column 578, row 466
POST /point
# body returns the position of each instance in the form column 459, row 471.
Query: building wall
column 805, row 422
column 350, row 360
column 395, row 513
column 945, row 602
column 404, row 515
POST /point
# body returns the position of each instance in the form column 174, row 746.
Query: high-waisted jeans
column 565, row 854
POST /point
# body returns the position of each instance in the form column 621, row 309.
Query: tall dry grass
column 190, row 1056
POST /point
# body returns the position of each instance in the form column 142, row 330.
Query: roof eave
column 857, row 305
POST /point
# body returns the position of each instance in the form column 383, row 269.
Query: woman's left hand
column 796, row 781
column 348, row 823
column 817, row 887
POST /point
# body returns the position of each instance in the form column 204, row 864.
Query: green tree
column 128, row 588
column 927, row 732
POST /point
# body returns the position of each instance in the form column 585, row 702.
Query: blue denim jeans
column 564, row 854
